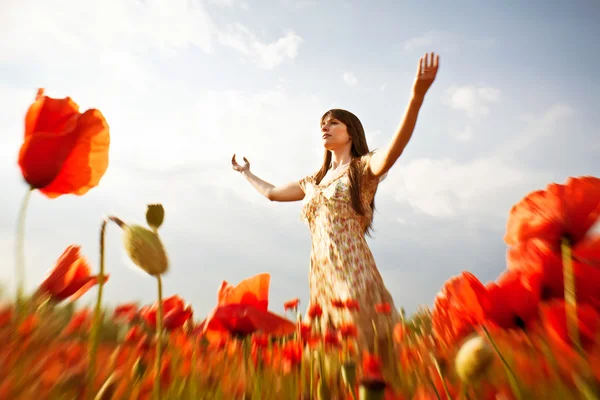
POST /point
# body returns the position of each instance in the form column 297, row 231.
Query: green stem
column 570, row 297
column 439, row 371
column 512, row 378
column 159, row 328
column 93, row 340
column 20, row 247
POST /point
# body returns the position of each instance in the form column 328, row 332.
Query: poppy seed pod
column 155, row 215
column 145, row 249
column 473, row 359
column 349, row 373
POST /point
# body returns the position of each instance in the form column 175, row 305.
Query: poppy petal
column 49, row 115
column 87, row 161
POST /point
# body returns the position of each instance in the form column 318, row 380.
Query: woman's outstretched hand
column 240, row 168
column 426, row 72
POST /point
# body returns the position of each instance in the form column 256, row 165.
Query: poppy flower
column 568, row 210
column 534, row 257
column 291, row 304
column 175, row 313
column 554, row 317
column 64, row 151
column 243, row 310
column 70, row 278
column 514, row 299
column 383, row 308
column 314, row 311
column 460, row 305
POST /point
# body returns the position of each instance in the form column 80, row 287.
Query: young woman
column 338, row 207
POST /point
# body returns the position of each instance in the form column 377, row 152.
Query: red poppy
column 315, row 311
column 514, row 299
column 348, row 331
column 175, row 313
column 243, row 310
column 461, row 304
column 554, row 316
column 351, row 305
column 372, row 366
column 534, row 257
column 291, row 304
column 383, row 308
column 64, row 151
column 568, row 210
column 126, row 311
column 70, row 277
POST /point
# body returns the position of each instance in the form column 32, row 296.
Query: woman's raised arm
column 382, row 161
column 288, row 192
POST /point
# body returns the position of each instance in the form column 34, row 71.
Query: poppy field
column 533, row 333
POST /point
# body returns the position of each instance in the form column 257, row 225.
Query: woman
column 338, row 207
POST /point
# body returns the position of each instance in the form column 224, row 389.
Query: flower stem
column 512, row 378
column 159, row 324
column 20, row 247
column 570, row 297
column 441, row 375
column 93, row 340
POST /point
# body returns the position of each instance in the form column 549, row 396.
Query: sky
column 186, row 84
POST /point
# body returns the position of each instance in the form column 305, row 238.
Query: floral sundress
column 342, row 266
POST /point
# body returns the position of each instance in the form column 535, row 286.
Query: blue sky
column 185, row 84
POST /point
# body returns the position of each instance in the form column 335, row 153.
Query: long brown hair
column 359, row 148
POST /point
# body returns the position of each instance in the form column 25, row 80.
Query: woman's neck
column 340, row 157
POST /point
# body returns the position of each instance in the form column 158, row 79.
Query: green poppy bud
column 155, row 214
column 145, row 249
column 473, row 359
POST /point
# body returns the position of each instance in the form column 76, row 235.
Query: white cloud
column 419, row 42
column 445, row 188
column 40, row 29
column 349, row 78
column 230, row 3
column 266, row 55
column 474, row 100
column 488, row 185
column 463, row 135
column 445, row 42
column 81, row 30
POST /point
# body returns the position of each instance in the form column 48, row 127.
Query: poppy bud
column 145, row 249
column 473, row 359
column 138, row 370
column 349, row 373
column 155, row 214
column 323, row 391
column 371, row 389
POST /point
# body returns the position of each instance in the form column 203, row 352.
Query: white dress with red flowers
column 342, row 266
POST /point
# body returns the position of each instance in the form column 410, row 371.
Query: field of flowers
column 533, row 333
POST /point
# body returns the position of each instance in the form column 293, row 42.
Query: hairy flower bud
column 349, row 374
column 145, row 249
column 473, row 359
column 155, row 215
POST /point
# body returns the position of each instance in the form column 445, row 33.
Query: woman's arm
column 289, row 192
column 382, row 161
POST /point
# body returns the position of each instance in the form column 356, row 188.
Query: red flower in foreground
column 514, row 299
column 554, row 316
column 243, row 310
column 568, row 210
column 64, row 151
column 70, row 278
column 461, row 304
column 175, row 313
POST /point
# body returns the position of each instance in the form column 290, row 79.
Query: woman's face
column 334, row 133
